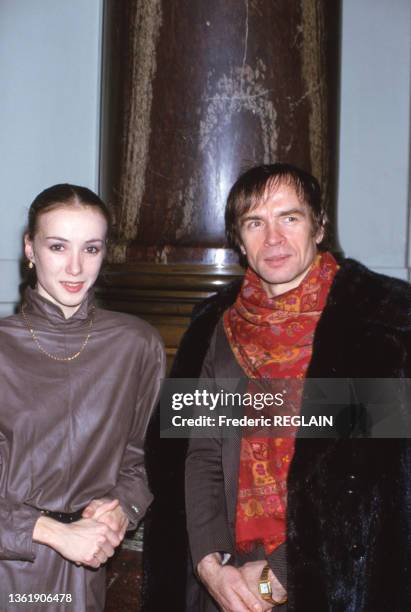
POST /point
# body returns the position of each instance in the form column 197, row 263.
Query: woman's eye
column 93, row 250
column 57, row 247
column 254, row 224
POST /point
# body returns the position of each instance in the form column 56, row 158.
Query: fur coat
column 349, row 500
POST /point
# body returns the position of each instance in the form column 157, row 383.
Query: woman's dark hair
column 252, row 186
column 64, row 195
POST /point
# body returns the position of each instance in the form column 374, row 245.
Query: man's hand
column 228, row 586
column 251, row 573
column 109, row 512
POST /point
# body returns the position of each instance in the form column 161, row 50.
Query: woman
column 77, row 388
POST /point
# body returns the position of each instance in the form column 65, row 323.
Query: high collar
column 43, row 310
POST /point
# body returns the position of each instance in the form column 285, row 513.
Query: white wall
column 50, row 64
column 50, row 58
column 375, row 133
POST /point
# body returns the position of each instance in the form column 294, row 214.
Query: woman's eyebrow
column 65, row 239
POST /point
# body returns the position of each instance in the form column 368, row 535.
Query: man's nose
column 74, row 264
column 273, row 234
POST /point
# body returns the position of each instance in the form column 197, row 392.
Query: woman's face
column 68, row 249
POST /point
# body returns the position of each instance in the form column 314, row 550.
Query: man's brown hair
column 252, row 186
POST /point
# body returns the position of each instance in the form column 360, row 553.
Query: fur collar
column 373, row 297
column 365, row 294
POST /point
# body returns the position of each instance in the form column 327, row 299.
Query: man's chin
column 281, row 282
column 277, row 277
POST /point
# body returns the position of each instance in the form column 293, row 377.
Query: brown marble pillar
column 195, row 91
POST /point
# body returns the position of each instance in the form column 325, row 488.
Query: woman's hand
column 85, row 542
column 102, row 510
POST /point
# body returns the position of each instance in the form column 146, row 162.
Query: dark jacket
column 349, row 500
column 168, row 579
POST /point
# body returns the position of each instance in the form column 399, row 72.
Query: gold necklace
column 43, row 350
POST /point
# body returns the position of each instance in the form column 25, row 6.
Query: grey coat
column 70, row 431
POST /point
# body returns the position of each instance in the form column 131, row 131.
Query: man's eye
column 57, row 247
column 290, row 219
column 254, row 224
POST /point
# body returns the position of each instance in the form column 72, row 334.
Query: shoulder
column 11, row 322
column 128, row 327
column 372, row 296
column 214, row 306
column 196, row 340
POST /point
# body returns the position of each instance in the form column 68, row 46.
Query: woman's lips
column 72, row 287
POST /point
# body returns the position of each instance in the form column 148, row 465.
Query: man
column 346, row 531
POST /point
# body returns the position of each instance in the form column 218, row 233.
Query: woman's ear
column 28, row 248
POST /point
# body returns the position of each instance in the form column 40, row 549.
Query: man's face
column 279, row 239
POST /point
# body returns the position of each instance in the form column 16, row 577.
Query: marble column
column 196, row 91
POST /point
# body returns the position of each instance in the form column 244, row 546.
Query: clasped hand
column 89, row 541
column 107, row 513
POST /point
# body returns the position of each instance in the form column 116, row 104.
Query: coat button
column 357, row 551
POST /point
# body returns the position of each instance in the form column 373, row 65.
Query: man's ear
column 319, row 235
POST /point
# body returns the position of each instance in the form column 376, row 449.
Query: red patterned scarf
column 272, row 338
